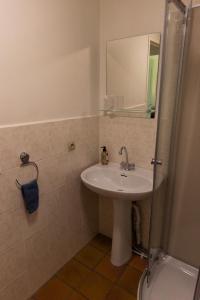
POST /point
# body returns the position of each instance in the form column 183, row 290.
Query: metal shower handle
column 156, row 162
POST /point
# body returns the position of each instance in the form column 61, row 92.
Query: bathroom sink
column 122, row 187
column 111, row 181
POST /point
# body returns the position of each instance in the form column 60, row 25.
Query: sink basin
column 111, row 181
column 122, row 187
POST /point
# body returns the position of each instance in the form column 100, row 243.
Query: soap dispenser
column 104, row 156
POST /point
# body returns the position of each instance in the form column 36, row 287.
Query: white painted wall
column 49, row 53
column 48, row 59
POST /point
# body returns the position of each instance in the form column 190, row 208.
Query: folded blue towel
column 30, row 193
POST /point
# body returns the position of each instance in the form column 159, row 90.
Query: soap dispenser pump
column 104, row 156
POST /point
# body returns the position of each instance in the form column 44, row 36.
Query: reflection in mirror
column 132, row 74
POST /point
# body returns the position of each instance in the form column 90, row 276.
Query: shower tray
column 171, row 279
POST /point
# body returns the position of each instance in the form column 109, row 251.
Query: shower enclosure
column 168, row 277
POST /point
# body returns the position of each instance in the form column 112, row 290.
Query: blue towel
column 30, row 193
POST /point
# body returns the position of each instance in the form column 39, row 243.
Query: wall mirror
column 132, row 75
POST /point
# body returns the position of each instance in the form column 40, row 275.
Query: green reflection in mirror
column 153, row 78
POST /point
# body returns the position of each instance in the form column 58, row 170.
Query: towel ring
column 24, row 157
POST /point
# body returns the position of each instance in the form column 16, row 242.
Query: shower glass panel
column 171, row 66
column 197, row 290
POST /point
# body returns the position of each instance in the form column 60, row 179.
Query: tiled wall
column 34, row 247
column 138, row 135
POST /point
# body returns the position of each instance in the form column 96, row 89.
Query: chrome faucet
column 125, row 165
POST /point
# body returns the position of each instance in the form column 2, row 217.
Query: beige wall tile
column 10, row 196
column 139, row 136
column 17, row 290
column 21, row 288
column 11, row 229
column 12, row 264
column 7, row 294
column 62, row 244
column 38, row 258
column 67, row 217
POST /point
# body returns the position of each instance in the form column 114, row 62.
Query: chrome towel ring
column 24, row 157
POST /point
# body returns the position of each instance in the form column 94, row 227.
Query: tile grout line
column 72, row 287
column 114, row 283
column 91, row 270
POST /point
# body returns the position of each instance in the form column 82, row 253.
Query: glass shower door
column 197, row 290
column 173, row 46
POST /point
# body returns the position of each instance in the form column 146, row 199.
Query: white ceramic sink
column 123, row 187
column 111, row 181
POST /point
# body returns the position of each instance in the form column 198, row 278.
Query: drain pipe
column 136, row 226
column 137, row 223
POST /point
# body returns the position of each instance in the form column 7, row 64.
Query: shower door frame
column 185, row 10
column 197, row 289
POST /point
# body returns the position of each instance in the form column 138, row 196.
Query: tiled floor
column 90, row 275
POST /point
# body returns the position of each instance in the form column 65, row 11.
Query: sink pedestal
column 122, row 232
column 122, row 187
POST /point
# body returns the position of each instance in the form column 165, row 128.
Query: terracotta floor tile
column 130, row 280
column 118, row 293
column 73, row 273
column 54, row 289
column 90, row 275
column 106, row 269
column 96, row 287
column 102, row 243
column 138, row 263
column 89, row 256
column 76, row 296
